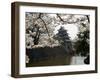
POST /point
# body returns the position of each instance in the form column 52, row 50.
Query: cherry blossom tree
column 40, row 27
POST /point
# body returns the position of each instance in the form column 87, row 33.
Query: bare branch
column 88, row 18
column 60, row 17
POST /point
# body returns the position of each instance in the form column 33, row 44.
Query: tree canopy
column 40, row 29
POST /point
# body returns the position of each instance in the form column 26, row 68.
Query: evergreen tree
column 82, row 44
column 64, row 39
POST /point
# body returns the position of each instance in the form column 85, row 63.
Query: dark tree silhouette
column 82, row 45
column 64, row 39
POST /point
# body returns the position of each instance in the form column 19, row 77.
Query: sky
column 72, row 30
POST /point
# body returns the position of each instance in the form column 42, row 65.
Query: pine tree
column 64, row 39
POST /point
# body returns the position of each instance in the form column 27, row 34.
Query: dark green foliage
column 64, row 39
column 47, row 56
column 82, row 44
